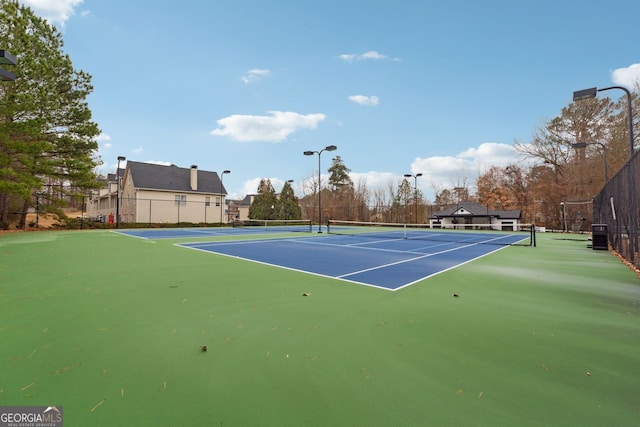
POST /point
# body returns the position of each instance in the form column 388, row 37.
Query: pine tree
column 288, row 203
column 47, row 137
column 265, row 204
column 339, row 177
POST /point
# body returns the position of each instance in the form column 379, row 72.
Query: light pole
column 633, row 221
column 415, row 177
column 564, row 218
column 604, row 155
column 120, row 159
column 221, row 186
column 579, row 95
column 311, row 153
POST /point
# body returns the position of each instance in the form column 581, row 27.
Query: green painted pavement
column 110, row 327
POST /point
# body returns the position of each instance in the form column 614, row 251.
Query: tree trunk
column 23, row 215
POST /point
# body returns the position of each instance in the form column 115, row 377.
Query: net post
column 533, row 235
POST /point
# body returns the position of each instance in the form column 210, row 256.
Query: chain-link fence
column 617, row 207
column 378, row 213
column 158, row 211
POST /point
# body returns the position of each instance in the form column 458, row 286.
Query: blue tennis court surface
column 385, row 263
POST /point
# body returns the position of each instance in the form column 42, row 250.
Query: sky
column 400, row 87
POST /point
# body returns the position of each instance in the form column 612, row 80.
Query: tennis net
column 275, row 224
column 521, row 235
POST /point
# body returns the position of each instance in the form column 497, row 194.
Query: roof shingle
column 173, row 178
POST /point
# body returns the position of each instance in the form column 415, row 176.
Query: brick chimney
column 194, row 177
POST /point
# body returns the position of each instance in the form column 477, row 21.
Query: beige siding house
column 151, row 193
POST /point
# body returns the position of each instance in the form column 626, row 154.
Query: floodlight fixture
column 583, row 94
column 311, row 153
column 6, row 58
column 415, row 177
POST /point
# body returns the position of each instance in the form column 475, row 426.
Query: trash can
column 599, row 237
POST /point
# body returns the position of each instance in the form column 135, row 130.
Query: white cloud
column 274, row 127
column 463, row 168
column 255, row 74
column 438, row 172
column 250, row 186
column 628, row 77
column 375, row 180
column 103, row 141
column 138, row 150
column 54, row 11
column 365, row 100
column 370, row 55
column 490, row 152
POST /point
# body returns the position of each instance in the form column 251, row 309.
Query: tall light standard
column 604, row 155
column 120, row 159
column 415, row 177
column 579, row 95
column 633, row 221
column 564, row 218
column 221, row 186
column 311, row 153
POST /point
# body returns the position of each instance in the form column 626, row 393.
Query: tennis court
column 111, row 328
column 250, row 228
column 382, row 258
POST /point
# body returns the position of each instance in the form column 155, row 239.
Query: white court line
column 378, row 267
column 343, row 277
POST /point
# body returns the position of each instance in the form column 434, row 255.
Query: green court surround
column 111, row 327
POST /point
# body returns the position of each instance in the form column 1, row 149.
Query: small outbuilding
column 471, row 213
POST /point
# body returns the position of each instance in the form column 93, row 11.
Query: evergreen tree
column 265, row 204
column 288, row 204
column 47, row 138
column 339, row 178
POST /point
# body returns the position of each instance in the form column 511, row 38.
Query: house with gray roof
column 471, row 213
column 152, row 193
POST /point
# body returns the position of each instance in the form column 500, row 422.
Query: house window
column 217, row 201
column 207, row 201
column 181, row 200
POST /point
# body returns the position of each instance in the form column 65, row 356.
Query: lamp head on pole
column 580, row 95
column 331, row 148
column 6, row 59
column 6, row 76
column 309, row 153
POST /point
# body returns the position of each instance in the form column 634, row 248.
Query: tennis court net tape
column 521, row 235
column 275, row 224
